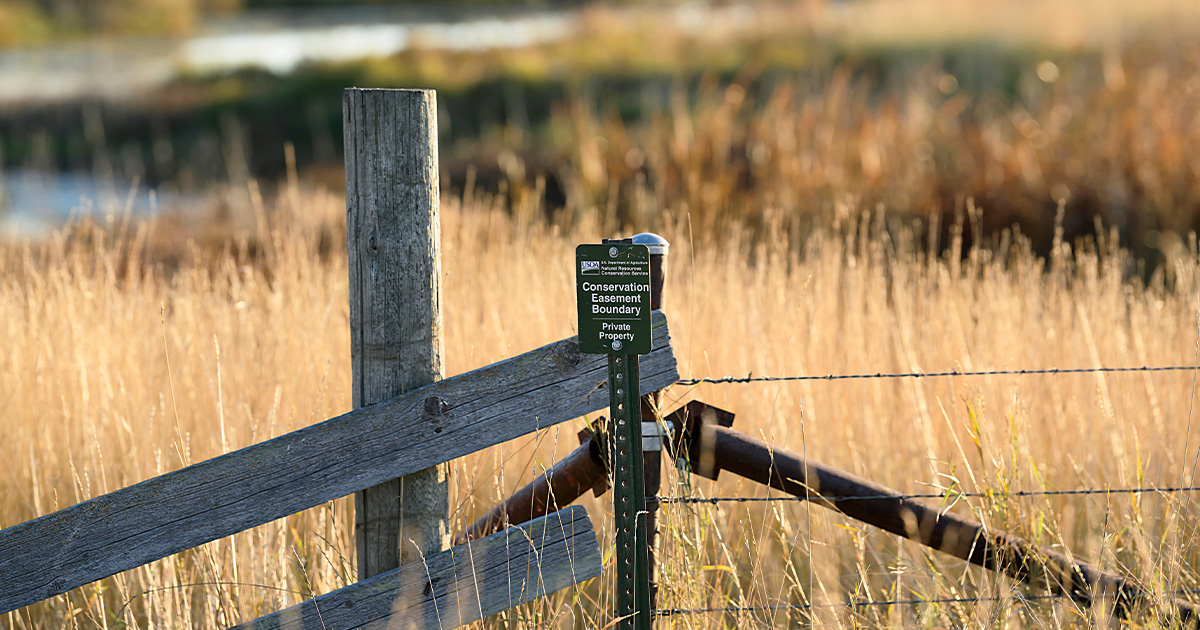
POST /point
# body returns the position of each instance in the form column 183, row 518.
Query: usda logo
column 589, row 267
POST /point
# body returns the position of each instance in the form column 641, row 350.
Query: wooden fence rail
column 460, row 585
column 260, row 483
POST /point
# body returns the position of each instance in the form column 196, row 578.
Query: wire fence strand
column 1012, row 596
column 1015, row 596
column 950, row 495
column 750, row 378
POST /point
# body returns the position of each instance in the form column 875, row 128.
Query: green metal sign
column 612, row 284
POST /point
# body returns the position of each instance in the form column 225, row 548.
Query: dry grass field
column 115, row 370
column 818, row 227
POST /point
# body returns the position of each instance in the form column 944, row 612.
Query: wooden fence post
column 393, row 241
column 651, row 409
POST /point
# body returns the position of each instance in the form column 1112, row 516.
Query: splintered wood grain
column 222, row 496
column 461, row 585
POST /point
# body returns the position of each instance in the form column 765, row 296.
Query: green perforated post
column 613, row 290
column 629, row 494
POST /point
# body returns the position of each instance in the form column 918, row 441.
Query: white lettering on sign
column 613, row 295
column 612, row 330
column 616, row 288
column 616, row 310
column 622, row 296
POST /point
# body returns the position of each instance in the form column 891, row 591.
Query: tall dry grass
column 116, row 369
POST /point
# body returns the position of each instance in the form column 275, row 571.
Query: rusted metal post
column 701, row 434
column 653, row 431
column 713, row 448
column 582, row 470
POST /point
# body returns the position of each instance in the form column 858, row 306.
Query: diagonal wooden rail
column 460, row 585
column 260, row 483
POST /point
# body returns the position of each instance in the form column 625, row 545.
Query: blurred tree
column 118, row 17
column 22, row 22
column 217, row 7
column 344, row 3
column 141, row 16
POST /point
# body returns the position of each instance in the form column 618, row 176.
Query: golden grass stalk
column 116, row 369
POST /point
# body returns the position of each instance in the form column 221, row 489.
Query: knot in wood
column 567, row 354
column 435, row 406
column 431, row 584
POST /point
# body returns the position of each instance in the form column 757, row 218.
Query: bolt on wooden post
column 613, row 297
column 393, row 241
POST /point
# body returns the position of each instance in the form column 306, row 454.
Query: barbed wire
column 750, row 378
column 1013, row 596
column 667, row 612
column 954, row 495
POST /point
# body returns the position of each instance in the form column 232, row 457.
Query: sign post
column 613, row 291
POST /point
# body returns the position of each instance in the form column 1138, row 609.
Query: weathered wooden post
column 654, row 432
column 393, row 240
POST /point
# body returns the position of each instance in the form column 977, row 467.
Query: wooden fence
column 464, row 584
column 437, row 423
column 404, row 434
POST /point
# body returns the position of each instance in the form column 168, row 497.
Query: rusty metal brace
column 701, row 435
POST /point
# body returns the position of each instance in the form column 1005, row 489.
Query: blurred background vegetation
column 41, row 21
column 761, row 116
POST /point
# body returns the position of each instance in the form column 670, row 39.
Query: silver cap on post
column 655, row 243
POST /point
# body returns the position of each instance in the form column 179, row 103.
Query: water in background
column 276, row 41
column 125, row 69
column 33, row 203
